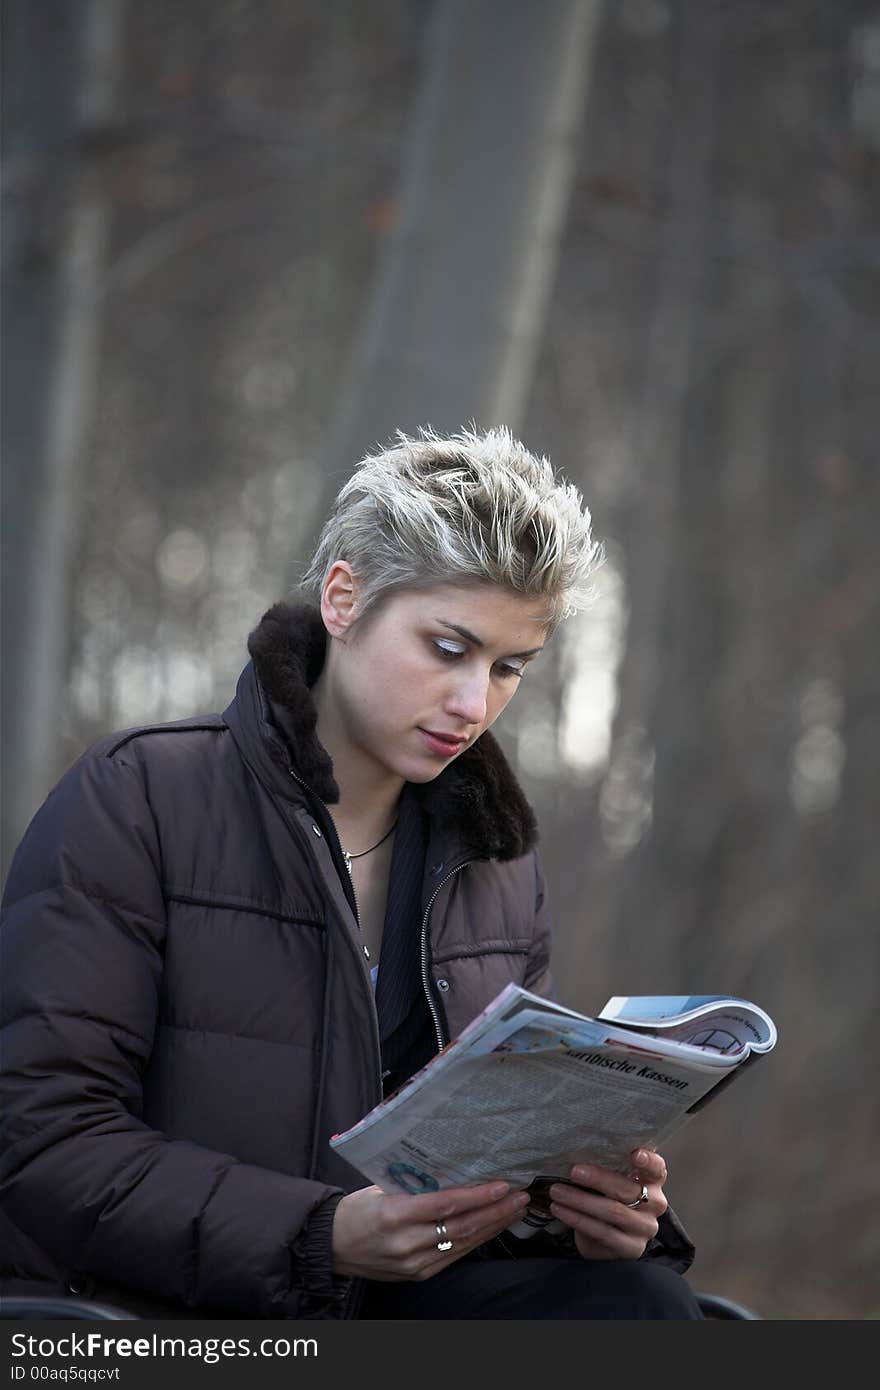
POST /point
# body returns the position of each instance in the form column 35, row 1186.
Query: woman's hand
column 595, row 1203
column 391, row 1237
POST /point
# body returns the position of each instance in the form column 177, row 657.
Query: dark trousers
column 538, row 1288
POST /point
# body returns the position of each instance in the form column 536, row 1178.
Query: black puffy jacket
column 187, row 1012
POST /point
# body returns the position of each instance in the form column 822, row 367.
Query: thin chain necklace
column 360, row 854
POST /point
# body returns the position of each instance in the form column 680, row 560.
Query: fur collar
column 477, row 796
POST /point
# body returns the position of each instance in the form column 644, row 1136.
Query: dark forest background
column 245, row 240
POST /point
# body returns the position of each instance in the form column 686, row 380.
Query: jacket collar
column 476, row 797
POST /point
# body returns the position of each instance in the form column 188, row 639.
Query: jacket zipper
column 435, row 1017
column 363, row 954
column 306, row 787
column 352, row 1295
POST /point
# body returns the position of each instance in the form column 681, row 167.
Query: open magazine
column 530, row 1088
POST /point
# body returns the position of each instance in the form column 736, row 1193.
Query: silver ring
column 444, row 1243
column 642, row 1197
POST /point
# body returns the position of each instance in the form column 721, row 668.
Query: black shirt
column 406, row 1030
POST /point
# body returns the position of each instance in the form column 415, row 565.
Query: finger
column 650, row 1166
column 609, row 1209
column 624, row 1243
column 450, row 1201
column 471, row 1228
column 465, row 1232
column 416, row 1240
column 610, row 1184
column 462, row 1247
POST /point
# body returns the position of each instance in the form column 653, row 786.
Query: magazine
column 531, row 1087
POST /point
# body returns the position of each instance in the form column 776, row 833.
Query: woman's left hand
column 595, row 1203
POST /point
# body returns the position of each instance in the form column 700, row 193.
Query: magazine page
column 501, row 1008
column 495, row 1024
column 532, row 1030
column 720, row 1022
column 530, row 1107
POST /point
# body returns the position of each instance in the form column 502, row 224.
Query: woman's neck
column 368, row 793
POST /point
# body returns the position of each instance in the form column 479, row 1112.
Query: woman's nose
column 468, row 699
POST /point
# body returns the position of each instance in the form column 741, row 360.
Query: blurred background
column 245, row 240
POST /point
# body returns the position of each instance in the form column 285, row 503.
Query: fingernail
column 642, row 1156
column 522, row 1199
column 499, row 1189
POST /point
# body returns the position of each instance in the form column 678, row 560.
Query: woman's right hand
column 391, row 1238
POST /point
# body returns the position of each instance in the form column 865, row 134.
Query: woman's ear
column 339, row 598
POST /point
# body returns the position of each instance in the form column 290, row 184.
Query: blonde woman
column 225, row 938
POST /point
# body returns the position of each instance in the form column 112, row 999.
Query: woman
column 226, row 937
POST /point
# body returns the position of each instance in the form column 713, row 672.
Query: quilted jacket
column 188, row 1014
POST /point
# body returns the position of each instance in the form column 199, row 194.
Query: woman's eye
column 452, row 651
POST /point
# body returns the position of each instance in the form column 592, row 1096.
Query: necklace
column 360, row 854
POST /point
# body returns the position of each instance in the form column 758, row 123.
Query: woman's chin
column 419, row 770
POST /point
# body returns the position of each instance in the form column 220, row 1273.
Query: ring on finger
column 444, row 1243
column 642, row 1197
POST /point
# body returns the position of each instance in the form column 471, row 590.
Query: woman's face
column 417, row 681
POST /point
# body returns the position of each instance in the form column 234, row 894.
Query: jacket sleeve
column 81, row 1173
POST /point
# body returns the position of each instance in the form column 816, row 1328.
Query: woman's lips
column 443, row 745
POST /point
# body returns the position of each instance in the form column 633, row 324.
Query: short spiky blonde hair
column 432, row 510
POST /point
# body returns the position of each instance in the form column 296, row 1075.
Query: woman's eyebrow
column 477, row 641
